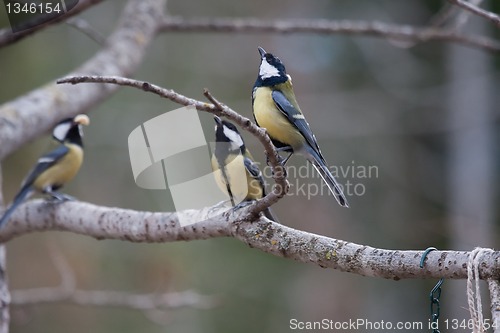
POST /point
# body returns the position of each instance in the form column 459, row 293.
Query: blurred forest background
column 426, row 117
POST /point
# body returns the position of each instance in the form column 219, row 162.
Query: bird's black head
column 226, row 132
column 70, row 129
column 271, row 70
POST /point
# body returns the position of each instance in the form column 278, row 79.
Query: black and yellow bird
column 234, row 168
column 55, row 168
column 275, row 108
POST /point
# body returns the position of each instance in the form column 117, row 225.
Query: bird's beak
column 262, row 52
column 218, row 121
column 82, row 119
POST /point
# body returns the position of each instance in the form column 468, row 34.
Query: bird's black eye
column 273, row 60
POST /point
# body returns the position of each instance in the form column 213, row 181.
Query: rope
column 473, row 290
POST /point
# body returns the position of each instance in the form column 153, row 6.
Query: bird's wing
column 254, row 171
column 312, row 151
column 295, row 117
column 45, row 162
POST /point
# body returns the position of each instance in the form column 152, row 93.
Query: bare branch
column 136, row 226
column 67, row 292
column 8, row 37
column 318, row 26
column 477, row 11
column 443, row 15
column 281, row 187
column 150, row 301
column 28, row 116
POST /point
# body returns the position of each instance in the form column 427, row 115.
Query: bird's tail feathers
column 319, row 164
column 25, row 193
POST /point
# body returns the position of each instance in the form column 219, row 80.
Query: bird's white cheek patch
column 266, row 70
column 233, row 136
column 61, row 131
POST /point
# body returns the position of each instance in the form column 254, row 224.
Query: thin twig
column 443, row 16
column 108, row 298
column 462, row 17
column 477, row 11
column 8, row 37
column 330, row 27
column 281, row 187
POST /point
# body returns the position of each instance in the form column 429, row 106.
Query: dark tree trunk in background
column 470, row 161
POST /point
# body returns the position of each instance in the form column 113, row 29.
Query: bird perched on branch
column 234, row 168
column 275, row 108
column 55, row 168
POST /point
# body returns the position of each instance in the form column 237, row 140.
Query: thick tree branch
column 330, row 27
column 281, row 187
column 494, row 287
column 28, row 116
column 477, row 11
column 135, row 226
column 8, row 37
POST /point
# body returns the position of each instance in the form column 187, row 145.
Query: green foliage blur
column 370, row 103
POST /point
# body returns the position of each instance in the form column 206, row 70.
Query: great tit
column 230, row 159
column 275, row 108
column 55, row 168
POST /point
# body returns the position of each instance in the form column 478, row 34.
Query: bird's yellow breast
column 272, row 119
column 63, row 171
column 243, row 186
